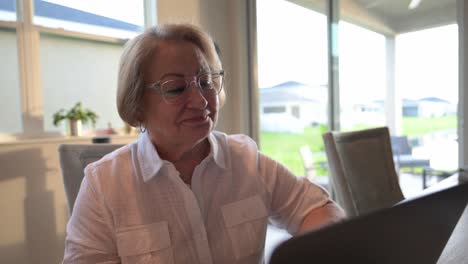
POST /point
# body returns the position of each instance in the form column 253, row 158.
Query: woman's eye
column 173, row 87
column 174, row 90
column 205, row 83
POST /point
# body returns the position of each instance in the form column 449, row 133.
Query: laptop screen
column 415, row 231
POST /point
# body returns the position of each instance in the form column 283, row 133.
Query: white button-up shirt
column 133, row 207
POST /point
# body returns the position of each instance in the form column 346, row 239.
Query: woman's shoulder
column 237, row 147
column 113, row 159
column 236, row 140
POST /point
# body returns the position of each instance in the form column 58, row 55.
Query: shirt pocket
column 145, row 244
column 246, row 223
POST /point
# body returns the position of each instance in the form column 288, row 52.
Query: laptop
column 413, row 231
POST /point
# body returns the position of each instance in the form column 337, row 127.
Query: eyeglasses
column 177, row 90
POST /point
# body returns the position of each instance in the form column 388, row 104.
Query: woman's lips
column 197, row 120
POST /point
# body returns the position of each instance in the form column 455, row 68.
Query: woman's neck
column 181, row 152
column 185, row 159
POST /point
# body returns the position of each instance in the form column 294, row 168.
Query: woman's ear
column 140, row 113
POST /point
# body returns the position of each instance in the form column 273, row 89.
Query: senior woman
column 184, row 193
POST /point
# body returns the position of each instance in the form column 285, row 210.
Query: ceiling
column 391, row 17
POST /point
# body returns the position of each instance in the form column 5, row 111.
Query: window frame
column 28, row 43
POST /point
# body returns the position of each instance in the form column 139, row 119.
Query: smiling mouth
column 197, row 120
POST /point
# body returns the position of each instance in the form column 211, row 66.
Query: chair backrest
column 73, row 159
column 400, row 145
column 361, row 170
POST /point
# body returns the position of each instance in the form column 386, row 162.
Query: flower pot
column 74, row 128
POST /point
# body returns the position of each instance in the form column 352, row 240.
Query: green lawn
column 413, row 126
column 285, row 147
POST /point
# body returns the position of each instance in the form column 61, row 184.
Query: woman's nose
column 196, row 98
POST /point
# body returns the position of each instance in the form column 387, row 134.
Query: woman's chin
column 198, row 133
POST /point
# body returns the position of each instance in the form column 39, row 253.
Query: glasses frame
column 193, row 79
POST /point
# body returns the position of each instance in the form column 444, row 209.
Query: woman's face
column 188, row 122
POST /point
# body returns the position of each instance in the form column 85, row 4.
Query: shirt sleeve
column 89, row 233
column 291, row 197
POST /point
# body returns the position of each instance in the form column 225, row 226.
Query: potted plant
column 75, row 117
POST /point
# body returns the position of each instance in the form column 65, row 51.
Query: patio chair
column 311, row 170
column 308, row 161
column 361, row 170
column 403, row 154
column 73, row 160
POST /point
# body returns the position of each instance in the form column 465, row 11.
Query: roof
column 286, row 85
column 51, row 10
column 284, row 97
column 414, row 102
column 434, row 99
column 291, row 91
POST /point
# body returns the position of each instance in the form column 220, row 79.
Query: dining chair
column 361, row 170
column 73, row 159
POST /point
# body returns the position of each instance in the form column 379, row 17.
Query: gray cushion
column 73, row 159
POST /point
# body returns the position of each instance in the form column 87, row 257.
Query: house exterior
column 428, row 107
column 292, row 106
column 363, row 112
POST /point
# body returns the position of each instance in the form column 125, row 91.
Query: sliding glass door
column 292, row 74
column 397, row 66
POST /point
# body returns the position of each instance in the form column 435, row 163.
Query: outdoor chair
column 403, row 154
column 73, row 160
column 308, row 161
column 310, row 168
column 361, row 170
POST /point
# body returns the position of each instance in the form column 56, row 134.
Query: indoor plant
column 75, row 117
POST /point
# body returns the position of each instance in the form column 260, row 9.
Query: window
column 361, row 77
column 292, row 74
column 427, row 78
column 8, row 10
column 274, row 109
column 125, row 19
column 296, row 111
column 59, row 53
column 394, row 64
column 402, row 61
column 71, row 72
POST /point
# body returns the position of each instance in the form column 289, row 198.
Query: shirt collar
column 151, row 163
column 216, row 139
column 148, row 157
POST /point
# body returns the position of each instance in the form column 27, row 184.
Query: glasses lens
column 174, row 89
column 205, row 81
column 211, row 81
column 218, row 82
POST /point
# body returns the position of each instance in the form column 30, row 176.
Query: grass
column 413, row 126
column 284, row 147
